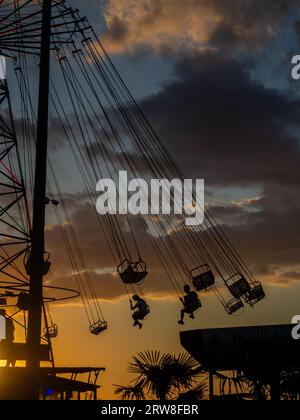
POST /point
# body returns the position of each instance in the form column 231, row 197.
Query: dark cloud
column 269, row 237
column 250, row 23
column 220, row 124
column 297, row 28
column 291, row 275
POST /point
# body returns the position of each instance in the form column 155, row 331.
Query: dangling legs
column 182, row 313
column 136, row 317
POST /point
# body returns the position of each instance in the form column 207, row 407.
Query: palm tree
column 163, row 377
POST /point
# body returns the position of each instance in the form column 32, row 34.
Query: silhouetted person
column 10, row 335
column 141, row 310
column 190, row 304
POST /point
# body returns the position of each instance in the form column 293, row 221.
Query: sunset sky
column 214, row 79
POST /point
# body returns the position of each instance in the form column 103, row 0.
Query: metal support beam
column 38, row 228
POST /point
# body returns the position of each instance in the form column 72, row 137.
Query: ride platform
column 15, row 383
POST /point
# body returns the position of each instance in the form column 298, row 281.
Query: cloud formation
column 192, row 24
column 221, row 125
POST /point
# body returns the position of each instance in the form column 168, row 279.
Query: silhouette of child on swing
column 190, row 303
column 141, row 310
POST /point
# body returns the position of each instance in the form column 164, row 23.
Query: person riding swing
column 190, row 303
column 141, row 310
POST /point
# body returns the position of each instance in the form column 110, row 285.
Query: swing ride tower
column 38, row 226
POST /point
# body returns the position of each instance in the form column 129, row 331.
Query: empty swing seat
column 256, row 294
column 52, row 331
column 98, row 327
column 233, row 306
column 132, row 272
column 203, row 278
column 238, row 286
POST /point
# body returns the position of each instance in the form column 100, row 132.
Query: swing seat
column 193, row 304
column 46, row 265
column 203, row 278
column 23, row 302
column 147, row 311
column 98, row 327
column 256, row 294
column 132, row 272
column 52, row 331
column 233, row 306
column 238, row 286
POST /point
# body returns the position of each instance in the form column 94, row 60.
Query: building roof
column 243, row 347
column 14, row 381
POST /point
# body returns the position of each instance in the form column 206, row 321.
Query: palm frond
column 127, row 393
column 162, row 376
column 197, row 393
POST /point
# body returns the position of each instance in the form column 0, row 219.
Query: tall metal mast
column 38, row 227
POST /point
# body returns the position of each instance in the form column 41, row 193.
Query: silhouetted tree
column 163, row 377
